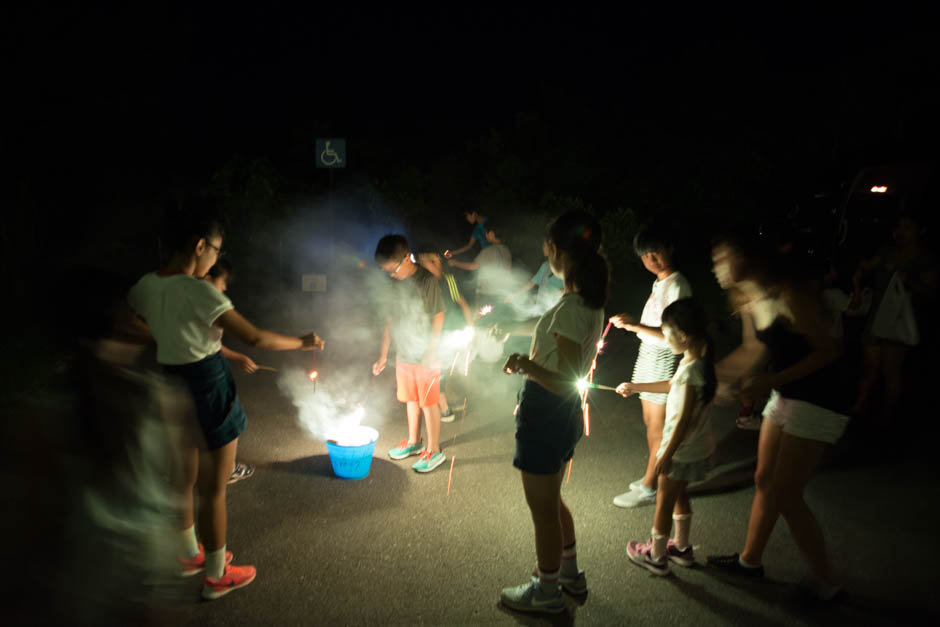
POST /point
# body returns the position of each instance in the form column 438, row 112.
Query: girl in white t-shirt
column 549, row 421
column 687, row 446
column 655, row 360
column 185, row 315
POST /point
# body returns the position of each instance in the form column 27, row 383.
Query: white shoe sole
column 430, row 468
column 639, row 560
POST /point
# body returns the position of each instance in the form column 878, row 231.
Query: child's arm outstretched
column 464, row 265
column 629, row 323
column 233, row 322
column 247, row 364
column 627, row 388
column 687, row 394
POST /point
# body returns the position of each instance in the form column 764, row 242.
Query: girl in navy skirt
column 549, row 421
column 184, row 314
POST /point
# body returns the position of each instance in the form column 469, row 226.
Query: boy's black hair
column 222, row 267
column 687, row 316
column 391, row 247
column 578, row 233
column 652, row 237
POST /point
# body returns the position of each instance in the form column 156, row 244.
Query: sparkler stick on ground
column 450, row 475
column 268, row 368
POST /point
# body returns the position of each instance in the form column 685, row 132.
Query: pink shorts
column 417, row 384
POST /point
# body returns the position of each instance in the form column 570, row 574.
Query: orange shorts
column 417, row 384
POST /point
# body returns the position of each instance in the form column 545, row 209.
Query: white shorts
column 805, row 420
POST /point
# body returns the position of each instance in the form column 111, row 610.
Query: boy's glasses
column 398, row 267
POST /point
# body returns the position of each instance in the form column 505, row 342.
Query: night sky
column 115, row 106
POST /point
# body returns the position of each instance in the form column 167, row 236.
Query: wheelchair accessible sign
column 331, row 153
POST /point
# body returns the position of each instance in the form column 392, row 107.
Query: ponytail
column 578, row 234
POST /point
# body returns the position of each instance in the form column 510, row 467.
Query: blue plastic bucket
column 353, row 462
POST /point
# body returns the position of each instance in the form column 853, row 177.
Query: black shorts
column 547, row 429
column 218, row 409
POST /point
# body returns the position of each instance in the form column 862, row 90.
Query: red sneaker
column 192, row 565
column 233, row 578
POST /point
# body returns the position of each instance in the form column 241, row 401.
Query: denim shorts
column 218, row 409
column 547, row 429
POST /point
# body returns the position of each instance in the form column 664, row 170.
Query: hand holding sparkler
column 584, row 384
column 447, row 254
column 379, row 366
column 624, row 321
column 514, row 364
column 247, row 364
column 311, row 341
column 625, row 389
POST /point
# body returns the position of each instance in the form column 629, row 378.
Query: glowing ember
column 313, row 375
column 583, row 386
column 485, row 309
column 600, row 345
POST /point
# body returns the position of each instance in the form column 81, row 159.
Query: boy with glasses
column 414, row 319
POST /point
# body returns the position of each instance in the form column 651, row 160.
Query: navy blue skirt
column 548, row 428
column 218, row 409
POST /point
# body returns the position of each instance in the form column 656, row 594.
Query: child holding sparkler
column 478, row 236
column 221, row 275
column 452, row 321
column 414, row 319
column 549, row 420
column 492, row 266
column 687, row 445
column 183, row 314
column 655, row 360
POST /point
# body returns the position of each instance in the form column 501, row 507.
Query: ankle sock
column 646, row 490
column 189, row 546
column 659, row 545
column 745, row 564
column 548, row 581
column 683, row 525
column 569, row 561
column 215, row 563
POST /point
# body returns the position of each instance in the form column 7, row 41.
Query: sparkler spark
column 313, row 375
column 485, row 309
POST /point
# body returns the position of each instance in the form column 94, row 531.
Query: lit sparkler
column 485, row 309
column 268, row 368
column 584, row 385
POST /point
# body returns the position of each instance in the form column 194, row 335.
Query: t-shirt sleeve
column 134, row 299
column 678, row 290
column 570, row 321
column 431, row 294
column 539, row 275
column 208, row 303
column 691, row 377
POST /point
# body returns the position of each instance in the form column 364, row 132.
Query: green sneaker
column 529, row 597
column 429, row 461
column 404, row 449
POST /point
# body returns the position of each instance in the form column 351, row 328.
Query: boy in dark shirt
column 414, row 319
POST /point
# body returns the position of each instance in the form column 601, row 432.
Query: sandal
column 241, row 471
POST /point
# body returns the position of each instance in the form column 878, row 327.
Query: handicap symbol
column 329, row 156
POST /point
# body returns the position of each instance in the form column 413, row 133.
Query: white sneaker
column 635, row 484
column 635, row 498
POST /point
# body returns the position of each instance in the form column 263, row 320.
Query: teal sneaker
column 404, row 449
column 429, row 461
column 529, row 597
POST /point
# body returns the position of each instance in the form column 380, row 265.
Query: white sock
column 646, row 490
column 569, row 561
column 189, row 546
column 659, row 545
column 215, row 563
column 745, row 564
column 683, row 524
column 548, row 581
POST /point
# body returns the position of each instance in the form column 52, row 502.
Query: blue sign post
column 331, row 153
